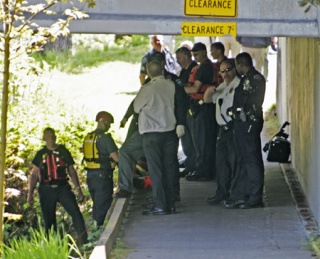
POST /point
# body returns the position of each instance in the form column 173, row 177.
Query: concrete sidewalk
column 199, row 230
column 202, row 231
column 282, row 229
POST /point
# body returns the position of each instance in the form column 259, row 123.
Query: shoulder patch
column 144, row 59
column 178, row 82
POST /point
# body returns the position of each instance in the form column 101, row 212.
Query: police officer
column 50, row 167
column 157, row 46
column 184, row 59
column 100, row 176
column 226, row 160
column 248, row 122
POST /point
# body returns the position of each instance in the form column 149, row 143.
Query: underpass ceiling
column 254, row 17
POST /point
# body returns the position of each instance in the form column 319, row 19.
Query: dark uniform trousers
column 249, row 181
column 49, row 196
column 203, row 128
column 129, row 153
column 226, row 161
column 100, row 185
column 161, row 153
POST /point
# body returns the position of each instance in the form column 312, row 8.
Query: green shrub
column 27, row 117
column 41, row 245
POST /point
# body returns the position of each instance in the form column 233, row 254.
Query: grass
column 41, row 245
column 120, row 251
column 129, row 49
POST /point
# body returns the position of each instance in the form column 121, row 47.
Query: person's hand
column 30, row 200
column 180, row 131
column 123, row 122
column 211, row 89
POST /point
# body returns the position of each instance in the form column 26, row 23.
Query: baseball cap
column 198, row 46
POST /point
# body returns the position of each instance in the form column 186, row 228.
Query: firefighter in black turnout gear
column 99, row 150
column 52, row 165
column 247, row 118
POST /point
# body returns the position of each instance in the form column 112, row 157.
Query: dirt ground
column 110, row 87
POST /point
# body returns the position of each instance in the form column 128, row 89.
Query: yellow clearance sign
column 217, row 8
column 208, row 28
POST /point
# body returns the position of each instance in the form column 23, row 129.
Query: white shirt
column 155, row 105
column 225, row 93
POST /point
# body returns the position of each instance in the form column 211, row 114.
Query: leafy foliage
column 307, row 4
column 93, row 51
column 30, row 107
column 41, row 245
column 24, row 139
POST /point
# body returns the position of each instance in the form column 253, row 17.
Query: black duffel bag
column 279, row 147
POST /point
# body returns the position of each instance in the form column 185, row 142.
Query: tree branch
column 34, row 15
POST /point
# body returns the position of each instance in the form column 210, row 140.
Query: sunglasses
column 226, row 70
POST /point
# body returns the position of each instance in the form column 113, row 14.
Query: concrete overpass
column 253, row 17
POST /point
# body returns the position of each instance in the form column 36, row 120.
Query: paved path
column 202, row 231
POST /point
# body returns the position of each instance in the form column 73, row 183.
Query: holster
column 194, row 108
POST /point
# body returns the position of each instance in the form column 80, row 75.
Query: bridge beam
column 254, row 17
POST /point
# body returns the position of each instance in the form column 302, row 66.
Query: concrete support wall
column 314, row 198
column 282, row 86
column 301, row 90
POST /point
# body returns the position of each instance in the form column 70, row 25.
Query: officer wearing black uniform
column 184, row 59
column 248, row 122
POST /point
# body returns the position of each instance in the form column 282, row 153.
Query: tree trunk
column 61, row 44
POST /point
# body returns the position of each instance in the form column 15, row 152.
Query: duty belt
column 225, row 127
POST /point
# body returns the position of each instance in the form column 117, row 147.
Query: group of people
column 218, row 119
column 53, row 165
column 257, row 47
column 215, row 108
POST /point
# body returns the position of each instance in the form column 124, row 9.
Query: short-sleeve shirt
column 170, row 66
column 63, row 153
column 251, row 91
column 205, row 72
column 105, row 146
column 185, row 73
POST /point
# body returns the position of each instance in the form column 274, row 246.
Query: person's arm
column 180, row 105
column 194, row 88
column 143, row 69
column 128, row 114
column 114, row 156
column 75, row 180
column 141, row 99
column 32, row 184
column 142, row 78
column 208, row 94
